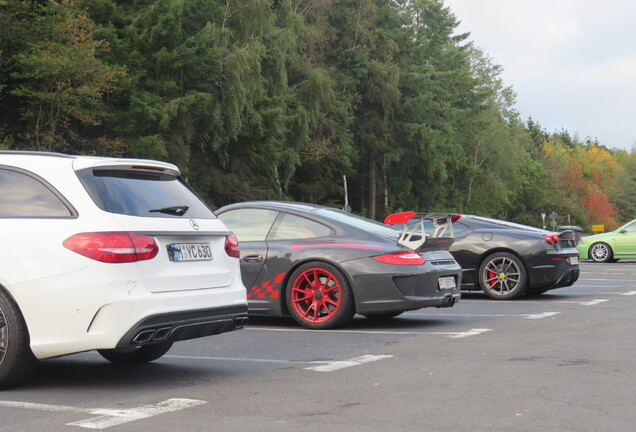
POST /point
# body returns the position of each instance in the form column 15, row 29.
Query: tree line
column 279, row 99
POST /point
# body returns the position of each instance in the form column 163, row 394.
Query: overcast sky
column 572, row 63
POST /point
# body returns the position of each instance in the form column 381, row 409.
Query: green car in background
column 611, row 246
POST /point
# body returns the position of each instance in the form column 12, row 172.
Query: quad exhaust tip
column 152, row 335
column 163, row 333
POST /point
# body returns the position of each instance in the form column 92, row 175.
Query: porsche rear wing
column 414, row 235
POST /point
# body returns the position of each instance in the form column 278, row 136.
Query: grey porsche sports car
column 322, row 265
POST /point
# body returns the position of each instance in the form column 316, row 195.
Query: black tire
column 502, row 276
column 319, row 296
column 16, row 359
column 601, row 253
column 383, row 316
column 132, row 356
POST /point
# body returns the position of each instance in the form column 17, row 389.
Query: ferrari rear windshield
column 505, row 223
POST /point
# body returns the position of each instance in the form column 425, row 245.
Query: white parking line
column 587, row 303
column 529, row 316
column 541, row 315
column 110, row 417
column 325, row 366
column 436, row 314
column 330, row 366
column 232, row 359
column 44, row 407
column 629, row 293
column 471, row 332
column 376, row 332
column 599, row 280
column 612, row 293
column 488, row 302
column 594, row 302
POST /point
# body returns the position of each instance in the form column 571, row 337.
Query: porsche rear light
column 232, row 246
column 401, row 258
column 113, row 247
column 552, row 239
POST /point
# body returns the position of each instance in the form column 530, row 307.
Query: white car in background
column 108, row 254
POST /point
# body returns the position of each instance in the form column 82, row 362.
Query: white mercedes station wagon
column 108, row 254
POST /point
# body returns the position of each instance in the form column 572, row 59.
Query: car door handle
column 252, row 258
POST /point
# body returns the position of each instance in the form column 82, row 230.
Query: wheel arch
column 602, row 241
column 519, row 289
column 9, row 294
column 283, row 290
column 489, row 252
column 4, row 289
column 17, row 362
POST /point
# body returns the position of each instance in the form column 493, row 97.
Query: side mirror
column 623, row 231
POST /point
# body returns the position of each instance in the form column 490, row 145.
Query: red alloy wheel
column 316, row 295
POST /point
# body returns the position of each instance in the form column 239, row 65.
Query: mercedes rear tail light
column 232, row 246
column 113, row 247
column 401, row 258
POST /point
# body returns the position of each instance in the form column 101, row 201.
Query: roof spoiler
column 414, row 235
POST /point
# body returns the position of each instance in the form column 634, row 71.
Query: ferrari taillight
column 552, row 239
column 113, row 247
column 401, row 258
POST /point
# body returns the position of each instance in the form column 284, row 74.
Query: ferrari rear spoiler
column 414, row 235
column 568, row 238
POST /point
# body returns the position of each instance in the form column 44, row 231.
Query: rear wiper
column 174, row 210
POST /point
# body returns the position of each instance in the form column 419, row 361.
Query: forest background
column 279, row 99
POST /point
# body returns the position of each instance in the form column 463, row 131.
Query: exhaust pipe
column 144, row 336
column 240, row 322
column 162, row 334
column 448, row 301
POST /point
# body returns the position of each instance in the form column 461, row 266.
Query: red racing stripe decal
column 335, row 243
column 267, row 289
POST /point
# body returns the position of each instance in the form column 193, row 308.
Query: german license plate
column 574, row 260
column 446, row 283
column 189, row 252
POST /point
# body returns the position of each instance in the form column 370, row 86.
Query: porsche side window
column 25, row 196
column 296, row 227
column 249, row 224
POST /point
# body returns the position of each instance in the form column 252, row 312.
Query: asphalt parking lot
column 562, row 361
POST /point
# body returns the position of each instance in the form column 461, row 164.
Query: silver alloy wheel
column 502, row 275
column 600, row 252
column 4, row 336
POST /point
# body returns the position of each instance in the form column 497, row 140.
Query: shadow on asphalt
column 359, row 323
